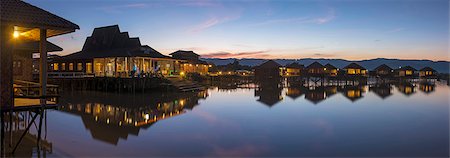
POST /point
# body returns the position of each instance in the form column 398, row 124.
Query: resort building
column 383, row 71
column 191, row 62
column 111, row 53
column 293, row 69
column 354, row 69
column 331, row 70
column 315, row 69
column 268, row 70
column 427, row 72
column 405, row 71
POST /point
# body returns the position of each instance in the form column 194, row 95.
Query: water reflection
column 110, row 117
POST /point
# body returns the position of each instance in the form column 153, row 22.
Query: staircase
column 185, row 85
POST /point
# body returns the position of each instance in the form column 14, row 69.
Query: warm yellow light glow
column 16, row 34
column 182, row 73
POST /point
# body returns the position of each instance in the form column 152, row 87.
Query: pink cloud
column 211, row 22
column 253, row 54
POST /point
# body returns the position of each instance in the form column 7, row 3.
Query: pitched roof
column 315, row 65
column 383, row 67
column 354, row 66
column 407, row 68
column 33, row 46
column 22, row 14
column 269, row 64
column 295, row 65
column 108, row 41
column 329, row 66
column 184, row 52
column 427, row 69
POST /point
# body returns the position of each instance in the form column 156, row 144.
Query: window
column 88, row 67
column 80, row 66
column 351, row 71
column 70, row 66
column 55, row 66
column 63, row 66
column 408, row 72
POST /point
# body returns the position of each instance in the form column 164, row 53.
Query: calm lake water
column 375, row 121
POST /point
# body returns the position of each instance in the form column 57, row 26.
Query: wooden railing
column 31, row 89
column 69, row 75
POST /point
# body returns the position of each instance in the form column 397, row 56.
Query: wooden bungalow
column 315, row 69
column 111, row 53
column 191, row 62
column 427, row 72
column 331, row 70
column 355, row 69
column 293, row 69
column 405, row 71
column 21, row 21
column 383, row 71
column 268, row 70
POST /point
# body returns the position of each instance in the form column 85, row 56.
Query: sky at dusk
column 291, row 29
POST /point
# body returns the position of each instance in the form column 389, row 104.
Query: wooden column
column 43, row 61
column 6, row 70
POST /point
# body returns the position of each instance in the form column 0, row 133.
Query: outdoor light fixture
column 16, row 34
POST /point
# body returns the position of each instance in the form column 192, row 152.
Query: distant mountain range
column 440, row 66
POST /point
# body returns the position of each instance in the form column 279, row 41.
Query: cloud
column 252, row 54
column 395, row 30
column 331, row 15
column 198, row 3
column 211, row 22
column 323, row 55
column 120, row 8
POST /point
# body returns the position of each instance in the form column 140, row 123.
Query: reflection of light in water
column 147, row 116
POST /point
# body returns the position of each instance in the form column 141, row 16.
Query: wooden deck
column 23, row 104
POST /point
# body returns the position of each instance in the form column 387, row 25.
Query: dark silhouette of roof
column 407, row 68
column 383, row 67
column 427, row 69
column 383, row 91
column 329, row 66
column 33, row 46
column 20, row 13
column 269, row 64
column 184, row 52
column 295, row 65
column 315, row 65
column 108, row 41
column 354, row 66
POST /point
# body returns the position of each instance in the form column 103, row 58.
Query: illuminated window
column 408, row 72
column 55, row 66
column 63, row 66
column 79, row 66
column 351, row 71
column 70, row 66
column 88, row 67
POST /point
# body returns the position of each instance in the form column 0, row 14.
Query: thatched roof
column 354, row 66
column 22, row 14
column 315, row 65
column 383, row 67
column 269, row 64
column 329, row 66
column 427, row 69
column 184, row 52
column 295, row 65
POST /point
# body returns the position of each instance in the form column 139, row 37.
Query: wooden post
column 43, row 62
column 6, row 70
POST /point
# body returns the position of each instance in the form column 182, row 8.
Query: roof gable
column 315, row 65
column 354, row 66
column 269, row 64
column 383, row 67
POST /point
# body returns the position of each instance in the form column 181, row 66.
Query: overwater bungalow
column 427, row 72
column 331, row 70
column 268, row 70
column 383, row 71
column 293, row 69
column 315, row 69
column 191, row 62
column 405, row 71
column 24, row 22
column 382, row 90
column 354, row 69
column 108, row 52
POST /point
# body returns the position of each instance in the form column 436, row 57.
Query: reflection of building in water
column 295, row 91
column 427, row 87
column 318, row 94
column 382, row 90
column 112, row 119
column 406, row 88
column 269, row 93
column 353, row 93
